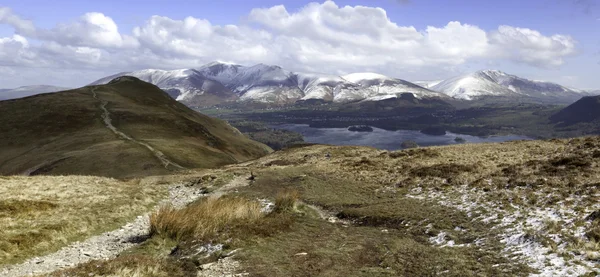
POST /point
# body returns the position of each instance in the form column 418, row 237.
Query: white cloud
column 92, row 29
column 22, row 26
column 199, row 39
column 321, row 37
column 531, row 47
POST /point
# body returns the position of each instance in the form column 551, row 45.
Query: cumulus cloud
column 91, row 29
column 319, row 37
column 21, row 26
column 531, row 47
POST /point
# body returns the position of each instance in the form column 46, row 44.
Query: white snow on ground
column 520, row 228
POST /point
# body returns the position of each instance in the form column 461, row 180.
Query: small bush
column 397, row 154
column 203, row 219
column 286, row 201
column 571, row 162
column 441, row 170
column 409, row 144
column 459, row 140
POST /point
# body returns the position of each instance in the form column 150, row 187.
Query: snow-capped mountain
column 497, row 83
column 427, row 84
column 384, row 87
column 187, row 85
column 222, row 82
column 25, row 91
column 263, row 83
column 593, row 92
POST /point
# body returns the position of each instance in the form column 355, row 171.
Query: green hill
column 68, row 133
column 586, row 109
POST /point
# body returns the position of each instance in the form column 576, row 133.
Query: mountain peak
column 490, row 82
column 219, row 63
column 492, row 71
column 356, row 77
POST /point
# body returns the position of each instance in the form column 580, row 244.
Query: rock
column 593, row 216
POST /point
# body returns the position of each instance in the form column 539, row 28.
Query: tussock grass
column 11, row 207
column 40, row 214
column 203, row 219
column 286, row 200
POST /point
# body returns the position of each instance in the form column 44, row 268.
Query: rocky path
column 108, row 245
column 108, row 122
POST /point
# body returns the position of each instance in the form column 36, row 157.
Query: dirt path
column 327, row 215
column 108, row 245
column 108, row 122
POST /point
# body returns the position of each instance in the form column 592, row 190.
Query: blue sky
column 557, row 60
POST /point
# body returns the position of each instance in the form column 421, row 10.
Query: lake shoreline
column 385, row 139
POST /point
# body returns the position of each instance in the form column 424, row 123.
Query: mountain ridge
column 495, row 83
column 125, row 128
column 217, row 82
column 273, row 84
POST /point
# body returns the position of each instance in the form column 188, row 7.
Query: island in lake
column 360, row 128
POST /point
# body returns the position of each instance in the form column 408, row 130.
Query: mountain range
column 221, row 82
column 217, row 83
column 25, row 91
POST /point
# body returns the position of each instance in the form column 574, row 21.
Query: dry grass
column 39, row 215
column 389, row 198
column 203, row 219
column 127, row 266
column 286, row 200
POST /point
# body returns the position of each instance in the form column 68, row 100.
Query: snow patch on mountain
column 497, row 83
column 381, row 86
column 427, row 84
column 358, row 77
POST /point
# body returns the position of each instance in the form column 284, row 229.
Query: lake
column 383, row 139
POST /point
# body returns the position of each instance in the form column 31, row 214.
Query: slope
column 523, row 208
column 586, row 109
column 185, row 85
column 123, row 129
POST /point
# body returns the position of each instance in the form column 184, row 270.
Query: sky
column 73, row 43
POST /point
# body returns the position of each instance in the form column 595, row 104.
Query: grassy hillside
column 587, row 109
column 40, row 214
column 66, row 133
column 505, row 209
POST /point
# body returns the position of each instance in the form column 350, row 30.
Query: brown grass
column 127, row 266
column 203, row 219
column 286, row 200
column 40, row 214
